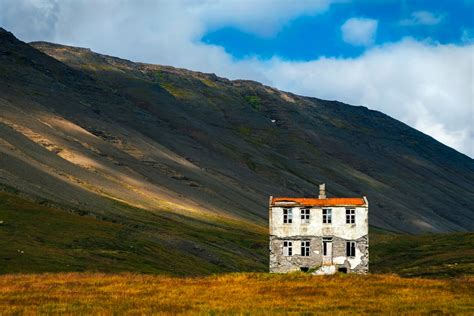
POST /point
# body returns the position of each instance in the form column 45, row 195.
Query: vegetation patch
column 101, row 68
column 236, row 294
column 208, row 82
column 158, row 76
column 244, row 130
column 249, row 162
column 254, row 101
column 177, row 92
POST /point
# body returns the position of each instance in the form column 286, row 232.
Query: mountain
column 181, row 164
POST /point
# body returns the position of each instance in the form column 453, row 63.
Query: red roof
column 319, row 202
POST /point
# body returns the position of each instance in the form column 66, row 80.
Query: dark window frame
column 351, row 249
column 305, row 215
column 305, row 248
column 327, row 216
column 288, row 248
column 287, row 216
column 350, row 216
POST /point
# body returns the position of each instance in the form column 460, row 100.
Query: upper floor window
column 350, row 216
column 350, row 248
column 287, row 216
column 287, row 248
column 305, row 248
column 327, row 216
column 305, row 215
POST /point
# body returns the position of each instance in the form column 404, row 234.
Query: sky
column 411, row 59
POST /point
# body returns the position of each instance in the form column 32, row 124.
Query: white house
column 320, row 235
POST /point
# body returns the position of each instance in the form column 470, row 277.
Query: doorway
column 327, row 250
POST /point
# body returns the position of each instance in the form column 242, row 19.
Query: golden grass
column 240, row 293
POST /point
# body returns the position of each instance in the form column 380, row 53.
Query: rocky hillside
column 131, row 143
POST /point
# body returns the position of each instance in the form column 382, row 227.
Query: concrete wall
column 314, row 231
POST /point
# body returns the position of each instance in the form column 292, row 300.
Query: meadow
column 234, row 293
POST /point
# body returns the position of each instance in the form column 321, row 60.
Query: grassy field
column 242, row 293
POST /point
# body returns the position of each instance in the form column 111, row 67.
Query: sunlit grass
column 242, row 293
column 177, row 92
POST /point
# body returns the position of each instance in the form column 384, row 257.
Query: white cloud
column 428, row 86
column 359, row 31
column 31, row 19
column 263, row 17
column 422, row 18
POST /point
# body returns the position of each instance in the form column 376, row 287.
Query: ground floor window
column 350, row 248
column 288, row 248
column 305, row 248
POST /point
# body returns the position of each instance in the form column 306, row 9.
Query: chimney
column 322, row 191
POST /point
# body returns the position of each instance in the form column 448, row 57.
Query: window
column 287, row 216
column 350, row 248
column 350, row 216
column 305, row 215
column 305, row 248
column 287, row 248
column 327, row 216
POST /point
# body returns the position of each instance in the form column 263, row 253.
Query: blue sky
column 412, row 60
column 310, row 36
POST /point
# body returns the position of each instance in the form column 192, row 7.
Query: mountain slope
column 430, row 255
column 40, row 238
column 115, row 139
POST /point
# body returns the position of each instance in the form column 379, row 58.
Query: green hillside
column 41, row 238
column 431, row 255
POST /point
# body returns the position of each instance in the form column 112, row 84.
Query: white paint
column 326, row 270
column 315, row 227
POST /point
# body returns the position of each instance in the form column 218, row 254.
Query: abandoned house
column 319, row 235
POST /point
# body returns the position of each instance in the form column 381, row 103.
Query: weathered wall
column 280, row 263
column 316, row 227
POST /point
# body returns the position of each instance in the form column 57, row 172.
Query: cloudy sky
column 412, row 60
